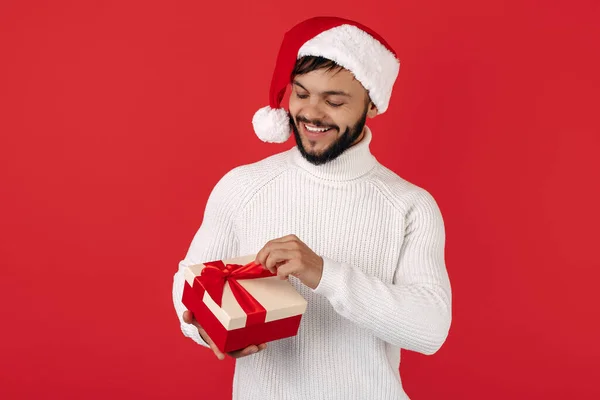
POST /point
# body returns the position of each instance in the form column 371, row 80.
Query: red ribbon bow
column 216, row 273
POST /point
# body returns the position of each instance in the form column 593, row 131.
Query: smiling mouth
column 315, row 130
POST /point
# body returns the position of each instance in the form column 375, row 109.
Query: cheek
column 293, row 106
column 341, row 120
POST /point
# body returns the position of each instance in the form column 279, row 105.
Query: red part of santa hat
column 350, row 44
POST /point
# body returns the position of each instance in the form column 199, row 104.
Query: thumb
column 188, row 317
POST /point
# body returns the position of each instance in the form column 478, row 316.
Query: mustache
column 315, row 122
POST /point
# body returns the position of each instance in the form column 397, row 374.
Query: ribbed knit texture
column 384, row 284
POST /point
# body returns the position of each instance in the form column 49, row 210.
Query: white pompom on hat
column 350, row 44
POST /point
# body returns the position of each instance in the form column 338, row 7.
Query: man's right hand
column 188, row 318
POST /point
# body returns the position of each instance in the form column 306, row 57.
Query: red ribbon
column 216, row 273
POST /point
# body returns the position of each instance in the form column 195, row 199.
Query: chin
column 317, row 145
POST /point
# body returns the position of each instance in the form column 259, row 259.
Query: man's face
column 328, row 110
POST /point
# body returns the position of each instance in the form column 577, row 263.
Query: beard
column 341, row 144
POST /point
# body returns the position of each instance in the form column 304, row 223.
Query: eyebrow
column 328, row 92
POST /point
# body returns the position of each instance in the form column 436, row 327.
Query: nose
column 314, row 111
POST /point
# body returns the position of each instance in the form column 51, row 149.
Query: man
column 362, row 245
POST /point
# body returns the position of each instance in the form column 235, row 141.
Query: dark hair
column 308, row 64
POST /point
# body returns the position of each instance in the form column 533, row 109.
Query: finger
column 278, row 257
column 286, row 238
column 188, row 317
column 285, row 270
column 244, row 352
column 274, row 253
column 211, row 344
column 262, row 346
column 262, row 254
column 283, row 239
column 216, row 350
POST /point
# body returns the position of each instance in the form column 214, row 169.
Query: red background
column 117, row 118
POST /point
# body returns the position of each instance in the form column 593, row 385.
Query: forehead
column 323, row 80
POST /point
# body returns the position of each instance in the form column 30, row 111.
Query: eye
column 301, row 96
column 334, row 104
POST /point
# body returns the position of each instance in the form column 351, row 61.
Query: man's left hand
column 290, row 256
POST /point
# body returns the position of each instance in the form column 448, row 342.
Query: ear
column 372, row 111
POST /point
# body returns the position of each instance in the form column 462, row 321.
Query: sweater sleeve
column 214, row 240
column 414, row 311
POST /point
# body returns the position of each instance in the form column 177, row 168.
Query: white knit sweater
column 384, row 284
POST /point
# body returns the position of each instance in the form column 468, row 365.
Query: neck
column 360, row 137
column 356, row 161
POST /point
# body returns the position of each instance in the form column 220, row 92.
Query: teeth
column 311, row 129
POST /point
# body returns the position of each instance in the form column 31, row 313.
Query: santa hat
column 350, row 44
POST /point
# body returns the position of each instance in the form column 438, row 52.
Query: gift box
column 239, row 303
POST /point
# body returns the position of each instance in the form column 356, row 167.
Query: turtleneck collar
column 351, row 164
